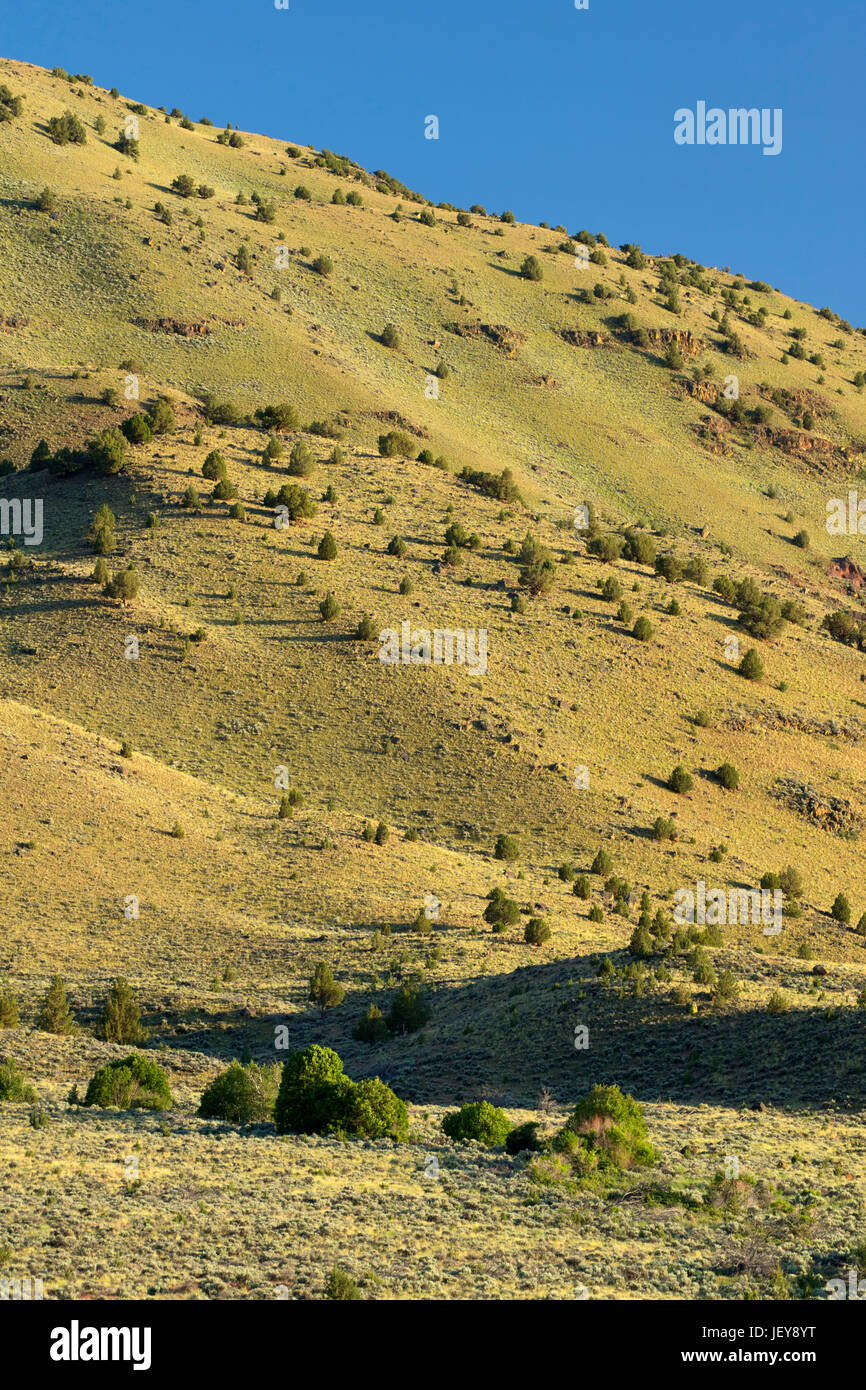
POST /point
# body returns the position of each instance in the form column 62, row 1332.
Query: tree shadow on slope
column 510, row 1035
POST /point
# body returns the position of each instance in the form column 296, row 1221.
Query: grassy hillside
column 159, row 776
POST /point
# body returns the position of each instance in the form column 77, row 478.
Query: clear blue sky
column 563, row 115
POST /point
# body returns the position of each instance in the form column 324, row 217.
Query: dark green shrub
column 531, row 269
column 55, row 1015
column 761, row 615
column 137, row 429
column 680, row 780
column 640, row 548
column 373, row 1111
column 704, row 974
column 184, row 186
column 642, row 630
column 396, row 444
column 607, row 548
column 107, row 452
column 10, row 106
column 390, row 337
column 214, row 466
column 670, row 567
column 664, row 828
column 297, row 501
column 8, row 1009
column 537, row 931
column 479, row 1121
column 67, row 130
column 324, row 989
column 133, row 1082
column 329, row 608
column 409, row 1009
column 301, row 460
column 311, row 1098
column 726, row 989
column 161, row 417
column 524, row 1138
column 120, row 1020
column 728, row 776
column 611, row 1126
column 13, row 1087
column 46, row 201
column 327, row 547
column 538, row 577
column 101, row 532
column 123, row 585
column 841, row 909
column 582, row 887
column 602, row 863
column 340, row 1287
column 241, row 1095
column 506, row 848
column 695, row 570
column 501, row 911
column 641, row 943
column 371, row 1027
column 280, row 418
column 751, row 666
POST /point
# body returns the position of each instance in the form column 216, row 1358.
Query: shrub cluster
column 479, row 1121
column 316, row 1097
column 242, row 1094
column 133, row 1082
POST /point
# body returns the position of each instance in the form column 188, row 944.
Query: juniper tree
column 55, row 1015
column 120, row 1020
column 324, row 989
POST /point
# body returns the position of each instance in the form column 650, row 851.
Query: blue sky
column 564, row 115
